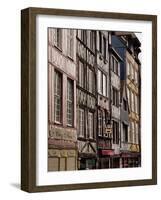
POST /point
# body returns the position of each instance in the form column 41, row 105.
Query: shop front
column 62, row 150
column 87, row 161
column 130, row 159
column 106, row 158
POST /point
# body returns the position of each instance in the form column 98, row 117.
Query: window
column 81, row 73
column 81, row 123
column 102, row 83
column 83, row 36
column 128, row 96
column 137, row 100
column 104, row 118
column 57, row 96
column 130, row 133
column 91, row 124
column 133, row 131
column 79, row 34
column 92, row 40
column 58, row 37
column 125, row 133
column 90, row 81
column 104, row 47
column 70, row 42
column 100, row 123
column 115, row 65
column 124, row 104
column 115, row 132
column 137, row 133
column 136, row 104
column 70, row 103
column 99, row 81
column 100, row 42
column 115, row 97
column 128, row 68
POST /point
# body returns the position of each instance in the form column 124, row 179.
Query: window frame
column 115, row 97
column 81, row 80
column 115, row 132
column 71, row 102
column 56, row 95
column 115, row 68
column 100, row 122
column 58, row 42
column 101, row 82
column 91, row 129
column 81, row 134
column 70, row 43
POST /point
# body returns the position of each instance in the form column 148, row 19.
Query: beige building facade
column 62, row 138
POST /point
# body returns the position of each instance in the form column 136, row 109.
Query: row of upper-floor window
column 58, row 98
column 70, row 45
column 85, row 123
column 133, row 101
column 130, row 133
column 86, row 74
column 132, row 72
column 88, row 37
column 59, row 42
column 86, row 117
column 103, row 120
column 133, row 132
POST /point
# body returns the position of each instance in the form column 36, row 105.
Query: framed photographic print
column 88, row 99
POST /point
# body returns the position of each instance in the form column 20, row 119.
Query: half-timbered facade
column 86, row 100
column 115, row 61
column 104, row 136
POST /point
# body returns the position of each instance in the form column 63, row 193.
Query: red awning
column 107, row 152
column 129, row 155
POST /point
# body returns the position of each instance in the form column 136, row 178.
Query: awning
column 107, row 152
column 129, row 155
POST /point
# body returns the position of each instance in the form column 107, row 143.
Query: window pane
column 100, row 41
column 104, row 47
column 104, row 85
column 81, row 74
column 70, row 105
column 99, row 122
column 90, row 124
column 125, row 133
column 99, row 81
column 114, row 132
column 92, row 40
column 58, row 37
column 57, row 96
column 70, row 42
column 90, row 80
column 81, row 122
column 116, row 67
